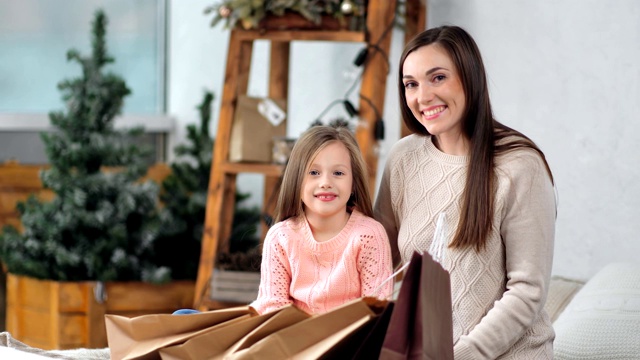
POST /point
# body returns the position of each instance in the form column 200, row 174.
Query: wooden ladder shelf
column 222, row 183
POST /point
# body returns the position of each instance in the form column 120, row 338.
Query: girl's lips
column 326, row 196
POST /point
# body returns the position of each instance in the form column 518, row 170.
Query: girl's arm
column 374, row 263
column 275, row 275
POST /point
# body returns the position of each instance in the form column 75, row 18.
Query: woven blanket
column 19, row 350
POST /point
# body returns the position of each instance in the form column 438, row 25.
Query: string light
column 361, row 58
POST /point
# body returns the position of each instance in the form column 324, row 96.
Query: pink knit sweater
column 319, row 276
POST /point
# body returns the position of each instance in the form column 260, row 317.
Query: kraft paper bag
column 256, row 122
column 283, row 318
column 143, row 336
column 313, row 337
column 421, row 325
column 223, row 341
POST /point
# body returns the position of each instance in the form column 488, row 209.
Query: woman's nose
column 426, row 94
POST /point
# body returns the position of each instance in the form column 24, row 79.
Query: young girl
column 325, row 248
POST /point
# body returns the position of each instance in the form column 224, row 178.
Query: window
column 35, row 36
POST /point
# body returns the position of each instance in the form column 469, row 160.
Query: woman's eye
column 438, row 78
column 409, row 85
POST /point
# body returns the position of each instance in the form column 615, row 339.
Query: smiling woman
column 494, row 188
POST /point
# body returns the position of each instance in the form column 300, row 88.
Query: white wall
column 563, row 72
column 567, row 74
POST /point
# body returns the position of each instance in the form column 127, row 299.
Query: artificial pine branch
column 249, row 13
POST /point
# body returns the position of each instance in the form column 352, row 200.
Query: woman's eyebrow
column 429, row 72
column 432, row 70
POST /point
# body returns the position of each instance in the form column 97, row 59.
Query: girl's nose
column 325, row 183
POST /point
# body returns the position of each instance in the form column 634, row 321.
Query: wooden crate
column 234, row 286
column 66, row 315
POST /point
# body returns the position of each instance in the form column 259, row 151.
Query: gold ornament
column 347, row 7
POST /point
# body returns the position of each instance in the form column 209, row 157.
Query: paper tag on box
column 271, row 111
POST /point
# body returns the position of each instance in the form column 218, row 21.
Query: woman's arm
column 527, row 230
column 383, row 210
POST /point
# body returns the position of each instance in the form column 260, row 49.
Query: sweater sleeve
column 527, row 231
column 383, row 210
column 275, row 275
column 374, row 264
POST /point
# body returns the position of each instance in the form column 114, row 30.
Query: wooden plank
column 210, row 304
column 237, row 61
column 73, row 296
column 307, row 35
column 379, row 17
column 32, row 327
column 72, row 330
column 140, row 296
column 416, row 13
column 257, row 168
column 279, row 63
column 94, row 321
column 226, row 216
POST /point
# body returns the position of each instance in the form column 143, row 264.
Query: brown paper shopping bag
column 421, row 324
column 313, row 337
column 283, row 318
column 141, row 337
column 222, row 341
column 256, row 122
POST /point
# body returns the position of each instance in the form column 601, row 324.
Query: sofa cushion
column 602, row 321
column 561, row 291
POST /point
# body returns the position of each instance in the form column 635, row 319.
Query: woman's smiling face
column 433, row 91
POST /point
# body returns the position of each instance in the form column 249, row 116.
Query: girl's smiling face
column 328, row 183
column 434, row 92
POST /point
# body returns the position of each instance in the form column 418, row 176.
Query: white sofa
column 599, row 319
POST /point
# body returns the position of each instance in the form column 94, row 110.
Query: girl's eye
column 314, row 172
column 338, row 173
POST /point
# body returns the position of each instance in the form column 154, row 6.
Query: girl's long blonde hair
column 304, row 151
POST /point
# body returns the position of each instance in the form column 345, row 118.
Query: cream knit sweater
column 498, row 293
column 319, row 276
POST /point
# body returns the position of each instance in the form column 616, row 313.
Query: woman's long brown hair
column 488, row 137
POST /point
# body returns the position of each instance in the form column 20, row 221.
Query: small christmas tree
column 184, row 195
column 101, row 225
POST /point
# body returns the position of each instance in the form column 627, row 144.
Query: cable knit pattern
column 319, row 276
column 498, row 293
